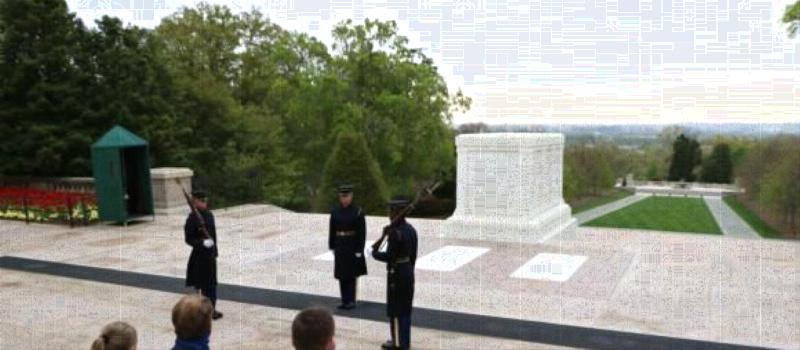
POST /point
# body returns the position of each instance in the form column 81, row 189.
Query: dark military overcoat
column 347, row 235
column 201, row 270
column 400, row 257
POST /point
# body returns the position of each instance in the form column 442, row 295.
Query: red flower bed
column 45, row 205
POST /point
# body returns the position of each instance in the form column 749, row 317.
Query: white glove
column 358, row 255
column 208, row 243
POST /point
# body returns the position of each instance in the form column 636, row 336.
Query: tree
column 588, row 170
column 650, row 162
column 570, row 182
column 652, row 173
column 66, row 85
column 770, row 175
column 131, row 86
column 792, row 17
column 236, row 139
column 472, row 128
column 718, row 168
column 686, row 155
column 351, row 162
column 372, row 84
column 600, row 175
column 41, row 96
column 781, row 191
column 739, row 146
column 252, row 108
column 398, row 100
column 696, row 158
column 667, row 136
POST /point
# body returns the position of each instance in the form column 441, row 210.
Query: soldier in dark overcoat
column 347, row 235
column 201, row 235
column 400, row 257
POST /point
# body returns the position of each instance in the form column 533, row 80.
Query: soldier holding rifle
column 400, row 257
column 201, row 234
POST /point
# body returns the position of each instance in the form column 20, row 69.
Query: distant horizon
column 627, row 122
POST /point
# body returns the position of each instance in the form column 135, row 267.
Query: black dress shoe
column 388, row 345
column 216, row 315
column 341, row 306
column 349, row 306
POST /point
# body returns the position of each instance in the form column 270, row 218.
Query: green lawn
column 585, row 204
column 751, row 218
column 663, row 214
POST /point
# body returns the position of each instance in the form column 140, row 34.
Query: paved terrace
column 697, row 287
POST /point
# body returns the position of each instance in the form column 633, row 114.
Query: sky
column 567, row 61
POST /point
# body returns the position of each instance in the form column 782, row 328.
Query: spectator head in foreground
column 191, row 317
column 116, row 336
column 313, row 329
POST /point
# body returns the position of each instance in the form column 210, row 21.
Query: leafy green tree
column 351, row 162
column 252, row 108
column 650, row 162
column 792, row 17
column 589, row 170
column 718, row 168
column 739, row 146
column 771, row 179
column 652, row 173
column 398, row 100
column 781, row 191
column 571, row 186
column 234, row 140
column 600, row 176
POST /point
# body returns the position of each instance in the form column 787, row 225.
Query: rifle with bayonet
column 427, row 190
column 197, row 214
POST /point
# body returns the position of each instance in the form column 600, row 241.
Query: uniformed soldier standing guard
column 400, row 257
column 201, row 272
column 346, row 237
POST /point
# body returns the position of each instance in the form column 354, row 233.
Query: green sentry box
column 122, row 176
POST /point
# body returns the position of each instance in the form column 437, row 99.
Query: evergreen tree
column 65, row 85
column 41, row 98
column 679, row 157
column 719, row 166
column 686, row 155
column 351, row 162
column 695, row 159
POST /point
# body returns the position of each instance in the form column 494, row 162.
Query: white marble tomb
column 509, row 188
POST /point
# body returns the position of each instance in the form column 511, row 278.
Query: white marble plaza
column 509, row 188
column 715, row 288
column 449, row 258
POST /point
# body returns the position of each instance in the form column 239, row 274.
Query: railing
column 685, row 185
column 62, row 184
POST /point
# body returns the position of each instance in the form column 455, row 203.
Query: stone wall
column 167, row 186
